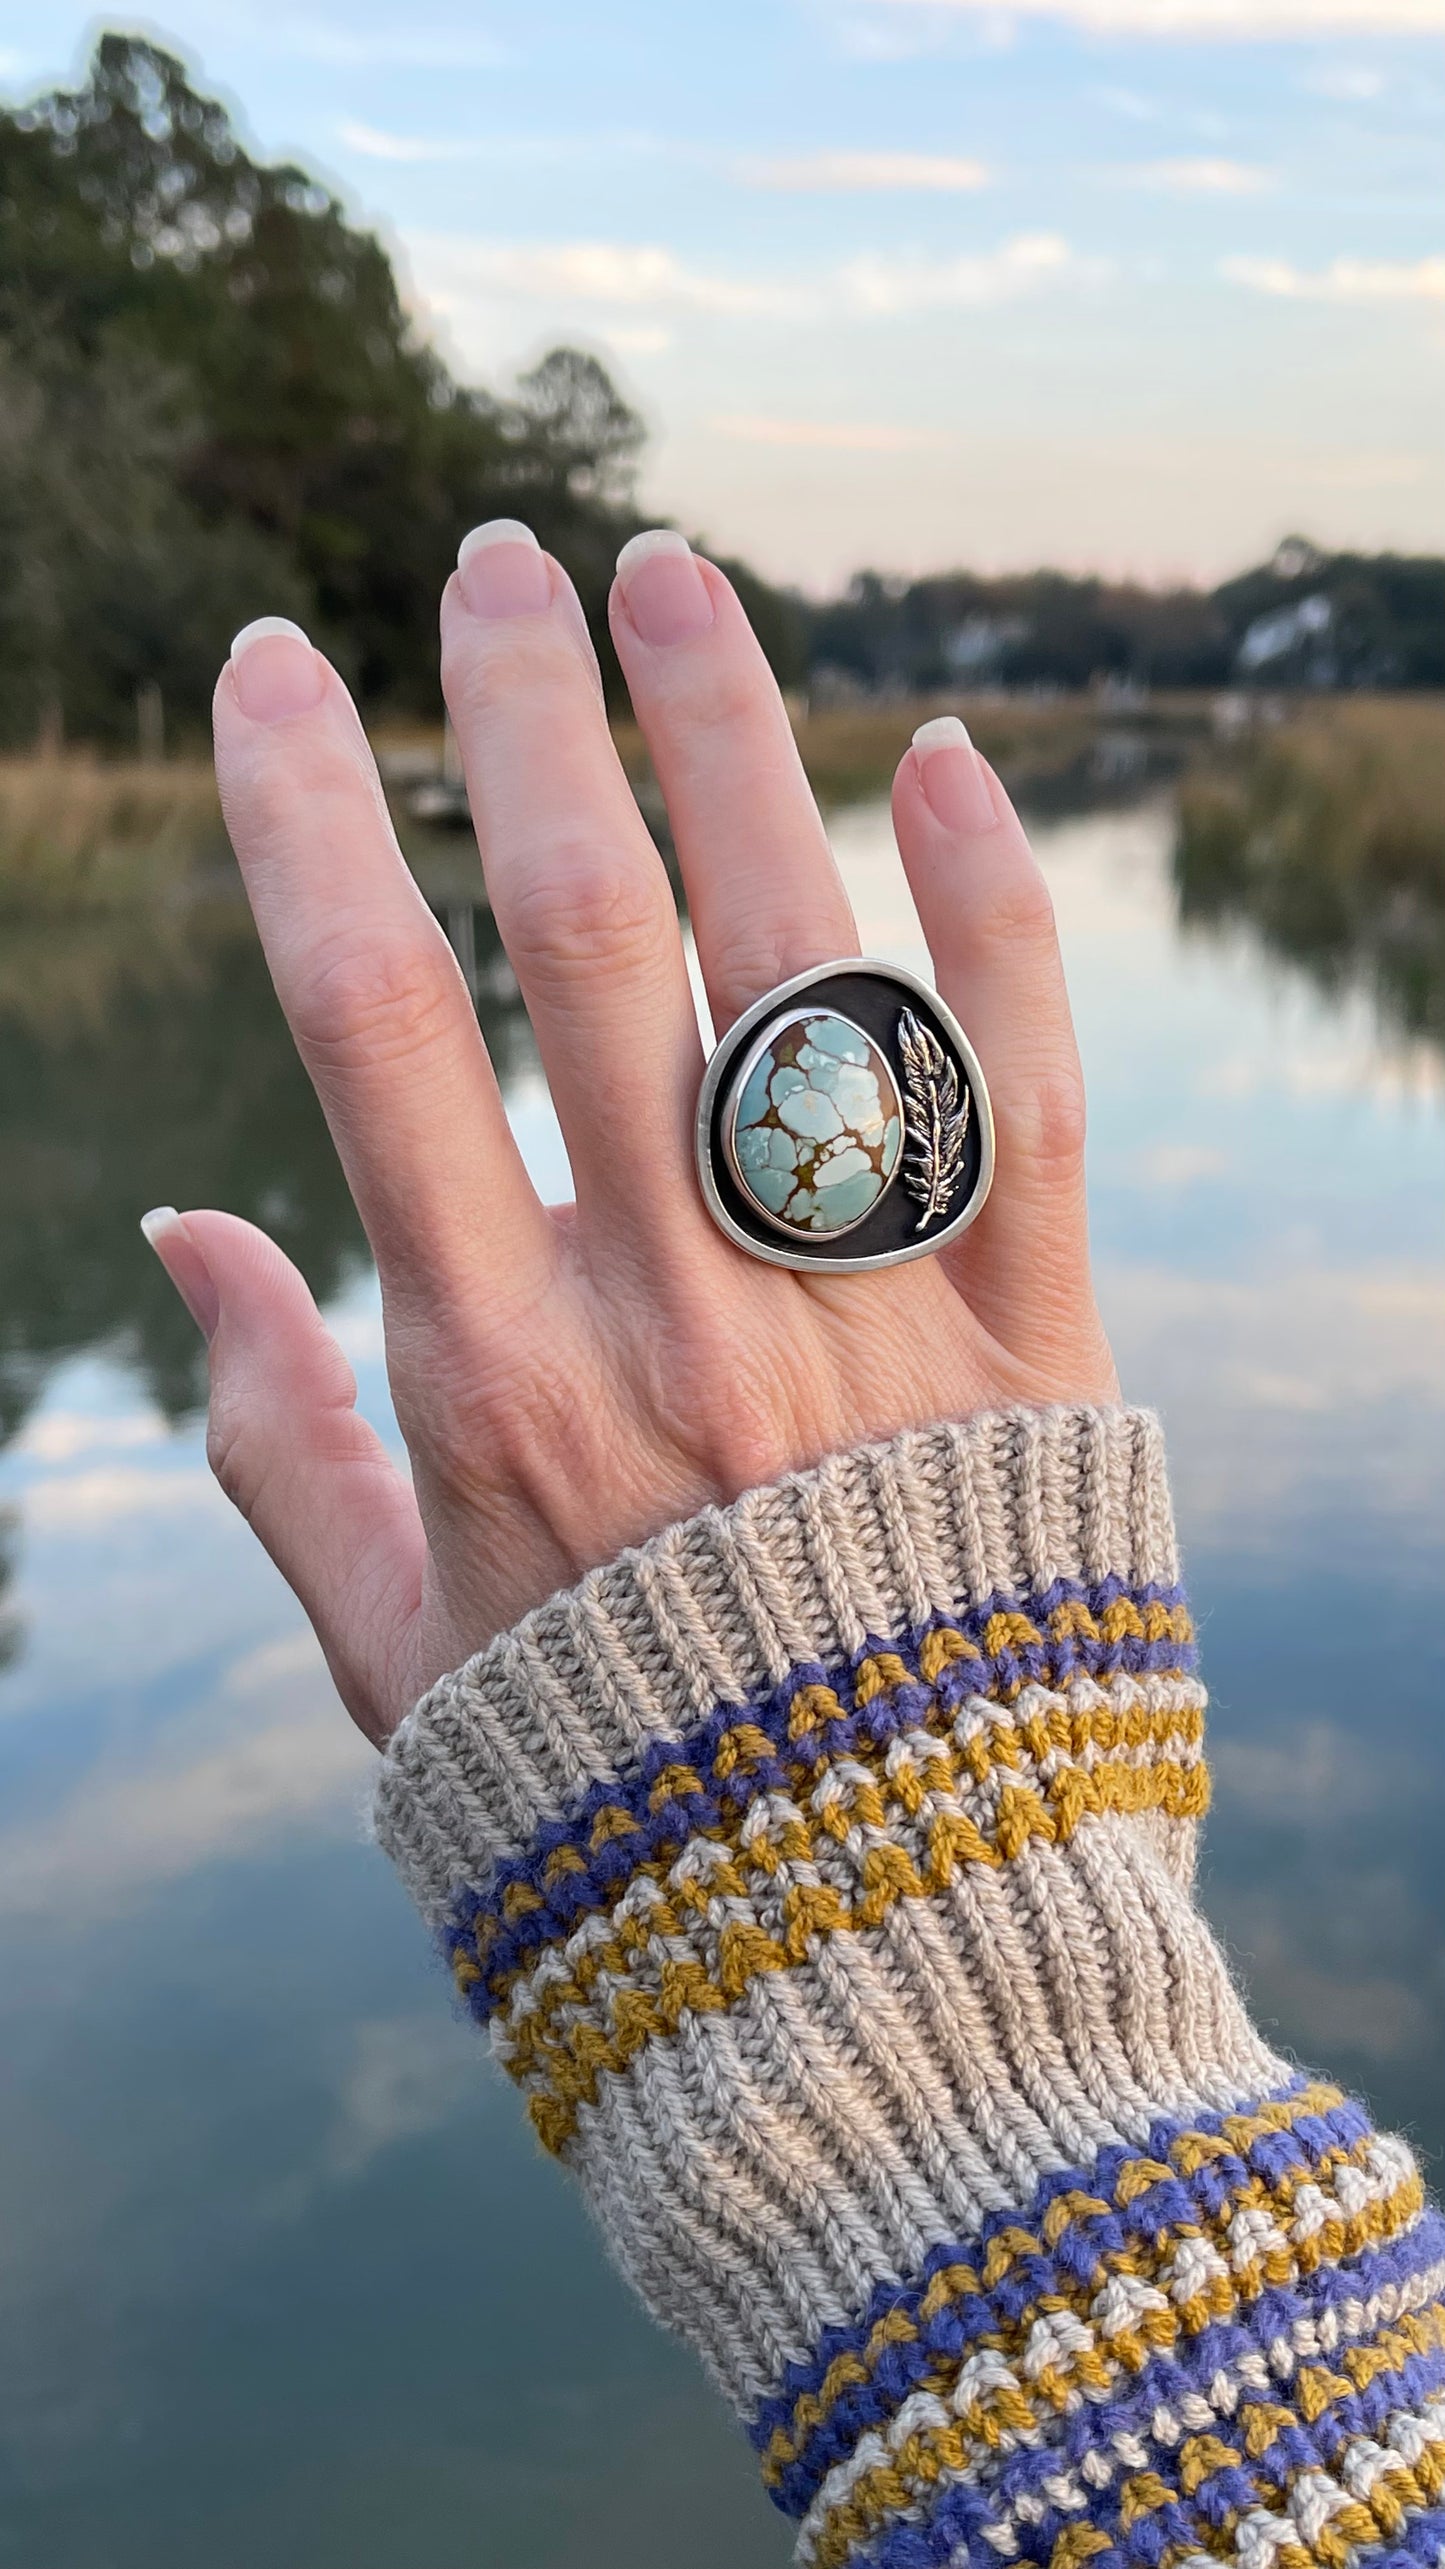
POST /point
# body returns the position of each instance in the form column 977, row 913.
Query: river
column 286, row 2284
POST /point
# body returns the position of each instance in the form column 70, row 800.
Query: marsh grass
column 1328, row 836
column 78, row 971
column 850, row 751
column 80, row 834
column 1329, row 829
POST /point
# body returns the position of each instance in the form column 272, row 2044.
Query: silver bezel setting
column 747, row 1035
column 749, row 1063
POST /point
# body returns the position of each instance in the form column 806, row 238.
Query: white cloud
column 1128, row 102
column 1198, row 177
column 639, row 339
column 844, row 436
column 1231, row 19
column 1173, row 1167
column 112, row 1494
column 588, row 272
column 374, row 145
column 125, row 1831
column 406, row 2077
column 821, row 172
column 1323, row 2006
column 606, row 283
column 397, row 49
column 1351, row 83
column 1032, row 262
column 628, row 294
column 1267, row 1373
column 60, row 1435
column 1343, row 281
column 503, row 151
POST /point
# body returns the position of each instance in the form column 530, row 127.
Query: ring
column 844, row 1122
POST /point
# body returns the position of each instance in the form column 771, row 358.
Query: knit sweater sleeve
column 822, row 1871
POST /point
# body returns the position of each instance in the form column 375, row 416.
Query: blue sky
column 1134, row 284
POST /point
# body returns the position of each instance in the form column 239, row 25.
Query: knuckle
column 745, row 959
column 1018, row 911
column 521, row 1433
column 1055, row 1120
column 549, row 1419
column 271, row 777
column 713, row 1392
column 375, row 1001
column 730, row 691
column 482, row 657
column 742, row 1444
column 752, row 950
column 586, row 909
column 231, row 1454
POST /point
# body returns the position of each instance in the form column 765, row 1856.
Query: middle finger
column 764, row 895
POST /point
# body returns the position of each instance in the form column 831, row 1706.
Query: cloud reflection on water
column 268, row 2185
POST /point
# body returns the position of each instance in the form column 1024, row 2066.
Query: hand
column 568, row 1382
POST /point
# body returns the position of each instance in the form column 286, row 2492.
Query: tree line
column 1306, row 618
column 214, row 404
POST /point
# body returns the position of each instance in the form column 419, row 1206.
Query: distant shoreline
column 83, row 833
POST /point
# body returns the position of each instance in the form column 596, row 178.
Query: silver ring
column 844, row 1123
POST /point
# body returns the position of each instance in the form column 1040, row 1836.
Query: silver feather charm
column 935, row 1123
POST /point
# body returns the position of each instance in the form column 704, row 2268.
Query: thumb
column 309, row 1475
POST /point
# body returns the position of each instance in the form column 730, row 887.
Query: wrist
column 883, row 1544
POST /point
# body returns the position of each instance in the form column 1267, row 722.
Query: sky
column 1129, row 285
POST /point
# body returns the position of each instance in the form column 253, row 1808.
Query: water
column 285, row 2284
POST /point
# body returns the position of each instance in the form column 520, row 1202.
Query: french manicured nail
column 665, row 593
column 955, row 782
column 275, row 671
column 503, row 570
column 177, row 1251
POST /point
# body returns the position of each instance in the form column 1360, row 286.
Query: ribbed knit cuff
column 872, row 1544
column 822, row 1871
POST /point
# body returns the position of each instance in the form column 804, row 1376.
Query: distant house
column 1291, row 642
column 976, row 648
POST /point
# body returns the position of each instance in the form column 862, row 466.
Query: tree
column 112, row 585
column 210, row 342
column 573, row 431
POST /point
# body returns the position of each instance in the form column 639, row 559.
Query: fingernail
column 665, row 592
column 503, row 570
column 956, row 785
column 275, row 670
column 184, row 1264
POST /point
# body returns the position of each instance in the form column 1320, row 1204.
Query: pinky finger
column 310, row 1476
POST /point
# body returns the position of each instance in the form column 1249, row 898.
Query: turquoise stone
column 817, row 1131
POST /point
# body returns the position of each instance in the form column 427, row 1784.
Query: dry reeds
column 1353, row 789
column 1328, row 835
column 852, row 750
column 78, row 834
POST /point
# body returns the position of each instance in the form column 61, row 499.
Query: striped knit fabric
column 822, row 1872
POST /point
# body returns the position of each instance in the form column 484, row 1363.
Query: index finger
column 371, row 990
